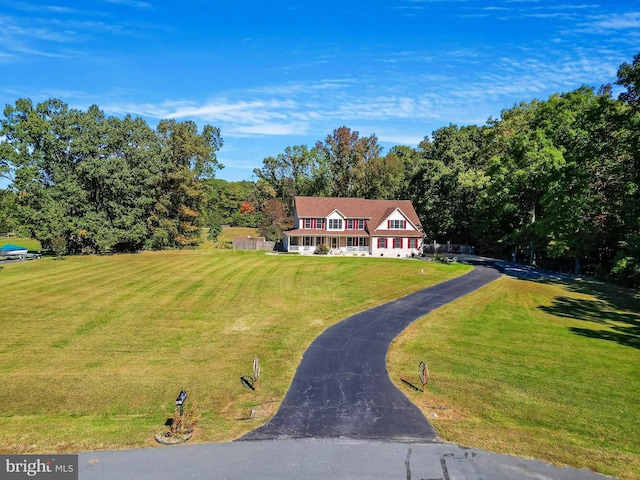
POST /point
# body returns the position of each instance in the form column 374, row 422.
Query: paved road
column 341, row 388
column 311, row 459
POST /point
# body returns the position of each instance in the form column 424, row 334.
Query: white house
column 355, row 226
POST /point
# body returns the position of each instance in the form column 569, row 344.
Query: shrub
column 185, row 423
column 321, row 250
column 626, row 271
column 440, row 258
column 59, row 246
column 215, row 229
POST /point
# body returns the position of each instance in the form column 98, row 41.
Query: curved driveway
column 342, row 389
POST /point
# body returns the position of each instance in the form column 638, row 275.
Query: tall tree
column 629, row 77
column 37, row 146
column 448, row 182
column 572, row 222
column 524, row 160
column 348, row 157
column 296, row 171
column 8, row 211
column 187, row 159
column 275, row 220
column 626, row 268
column 383, row 177
column 410, row 159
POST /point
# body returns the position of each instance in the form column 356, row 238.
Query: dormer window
column 397, row 224
column 335, row 224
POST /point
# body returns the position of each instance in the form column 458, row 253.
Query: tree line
column 552, row 182
column 103, row 184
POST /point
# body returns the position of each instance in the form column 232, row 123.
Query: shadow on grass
column 411, row 385
column 613, row 308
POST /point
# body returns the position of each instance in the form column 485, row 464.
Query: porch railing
column 312, row 248
column 302, row 248
column 355, row 249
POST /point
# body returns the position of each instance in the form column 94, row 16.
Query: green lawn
column 229, row 233
column 541, row 370
column 94, row 349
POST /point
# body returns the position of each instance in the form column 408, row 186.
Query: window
column 397, row 224
column 382, row 243
column 335, row 224
column 361, row 224
column 397, row 243
column 356, row 242
column 350, row 224
column 307, row 241
column 320, row 223
column 307, row 223
column 413, row 243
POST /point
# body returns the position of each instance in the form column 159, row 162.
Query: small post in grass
column 182, row 397
column 256, row 371
column 423, row 374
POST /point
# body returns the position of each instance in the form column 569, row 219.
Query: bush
column 321, row 250
column 215, row 229
column 185, row 423
column 59, row 246
column 626, row 271
column 179, row 428
column 442, row 259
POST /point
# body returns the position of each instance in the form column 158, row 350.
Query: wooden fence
column 442, row 248
column 252, row 243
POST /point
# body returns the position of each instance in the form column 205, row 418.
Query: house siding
column 408, row 247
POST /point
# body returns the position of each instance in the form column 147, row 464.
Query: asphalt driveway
column 341, row 388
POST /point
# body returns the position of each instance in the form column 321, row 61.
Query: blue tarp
column 9, row 248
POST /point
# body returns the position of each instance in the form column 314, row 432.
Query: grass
column 542, row 370
column 229, row 233
column 95, row 349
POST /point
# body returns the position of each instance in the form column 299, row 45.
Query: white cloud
column 241, row 118
column 11, row 30
column 404, row 103
column 401, row 138
column 625, row 21
column 130, row 3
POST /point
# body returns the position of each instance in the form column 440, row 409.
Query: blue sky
column 274, row 73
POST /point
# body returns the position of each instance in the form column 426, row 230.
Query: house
column 355, row 226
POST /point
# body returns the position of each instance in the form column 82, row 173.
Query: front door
column 334, row 242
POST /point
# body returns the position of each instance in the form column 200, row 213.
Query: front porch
column 338, row 245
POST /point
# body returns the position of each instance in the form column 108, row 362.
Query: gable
column 335, row 214
column 396, row 219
